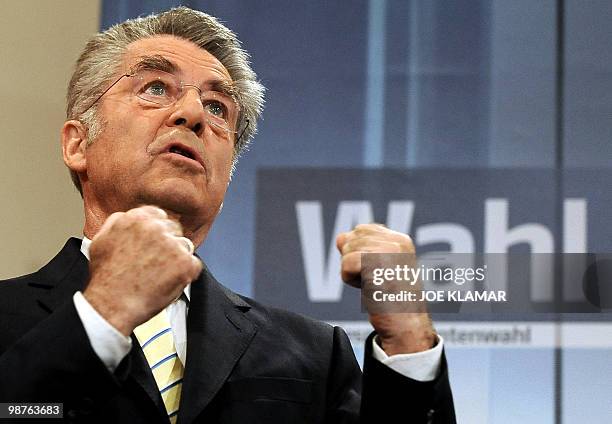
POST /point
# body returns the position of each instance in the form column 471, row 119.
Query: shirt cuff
column 420, row 366
column 109, row 344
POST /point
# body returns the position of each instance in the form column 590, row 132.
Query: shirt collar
column 85, row 250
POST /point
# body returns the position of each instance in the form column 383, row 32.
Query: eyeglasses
column 162, row 89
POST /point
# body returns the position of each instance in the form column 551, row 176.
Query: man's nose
column 188, row 111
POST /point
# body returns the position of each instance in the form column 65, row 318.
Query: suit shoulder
column 17, row 283
column 17, row 295
column 54, row 270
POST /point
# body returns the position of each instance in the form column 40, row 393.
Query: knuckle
column 153, row 211
column 370, row 227
column 122, row 222
column 196, row 266
column 155, row 225
column 116, row 215
column 151, row 225
column 397, row 247
column 174, row 226
column 360, row 229
column 170, row 245
column 405, row 242
column 136, row 212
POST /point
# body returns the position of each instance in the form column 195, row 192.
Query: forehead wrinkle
column 177, row 50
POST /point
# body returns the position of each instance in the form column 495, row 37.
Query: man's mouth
column 180, row 151
column 185, row 151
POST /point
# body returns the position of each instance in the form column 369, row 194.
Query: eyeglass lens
column 164, row 89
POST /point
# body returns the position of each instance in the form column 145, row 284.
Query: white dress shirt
column 111, row 346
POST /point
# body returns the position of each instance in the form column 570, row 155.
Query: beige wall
column 39, row 42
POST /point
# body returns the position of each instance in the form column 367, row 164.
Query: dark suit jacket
column 246, row 363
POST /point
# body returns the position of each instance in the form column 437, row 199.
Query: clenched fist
column 398, row 332
column 138, row 265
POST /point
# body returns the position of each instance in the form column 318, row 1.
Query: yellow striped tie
column 155, row 338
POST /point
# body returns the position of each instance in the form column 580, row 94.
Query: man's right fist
column 138, row 265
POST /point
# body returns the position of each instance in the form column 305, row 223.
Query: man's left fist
column 368, row 238
column 397, row 332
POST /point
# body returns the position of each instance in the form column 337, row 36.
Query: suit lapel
column 141, row 373
column 67, row 273
column 218, row 334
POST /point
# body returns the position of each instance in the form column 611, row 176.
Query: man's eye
column 216, row 109
column 156, row 88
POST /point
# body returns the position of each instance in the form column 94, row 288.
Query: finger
column 378, row 231
column 172, row 227
column 344, row 238
column 371, row 244
column 340, row 240
column 186, row 244
column 196, row 267
column 351, row 266
column 369, row 230
column 400, row 243
column 373, row 226
column 108, row 224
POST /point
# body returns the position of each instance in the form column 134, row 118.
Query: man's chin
column 182, row 201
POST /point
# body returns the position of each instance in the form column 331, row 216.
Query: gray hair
column 100, row 60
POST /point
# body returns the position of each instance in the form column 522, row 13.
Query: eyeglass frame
column 129, row 75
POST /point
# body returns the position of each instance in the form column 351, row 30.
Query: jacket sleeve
column 391, row 397
column 344, row 382
column 380, row 394
column 54, row 362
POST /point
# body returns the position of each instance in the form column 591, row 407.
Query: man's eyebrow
column 160, row 63
column 224, row 87
column 155, row 63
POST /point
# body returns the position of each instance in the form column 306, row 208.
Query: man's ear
column 74, row 143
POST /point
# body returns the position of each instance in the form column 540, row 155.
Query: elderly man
column 127, row 325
